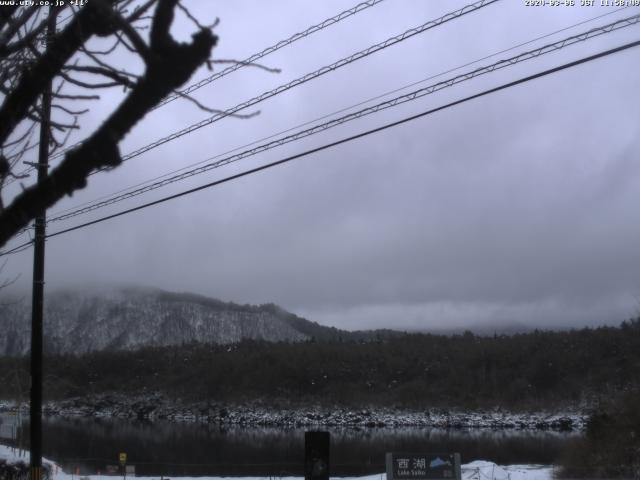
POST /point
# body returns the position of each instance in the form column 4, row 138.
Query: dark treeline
column 533, row 370
column 610, row 447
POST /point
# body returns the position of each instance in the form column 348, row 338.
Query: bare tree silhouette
column 30, row 59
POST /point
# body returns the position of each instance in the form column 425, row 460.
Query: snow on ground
column 520, row 472
column 478, row 470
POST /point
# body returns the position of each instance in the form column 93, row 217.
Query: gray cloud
column 518, row 207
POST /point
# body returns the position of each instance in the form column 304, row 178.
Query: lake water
column 192, row 449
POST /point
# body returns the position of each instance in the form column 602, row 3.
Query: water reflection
column 166, row 448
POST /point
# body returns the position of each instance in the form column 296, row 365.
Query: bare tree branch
column 9, row 48
column 140, row 11
column 33, row 80
column 16, row 24
column 69, row 111
column 195, row 21
column 247, row 64
column 168, row 65
column 105, row 72
column 76, row 97
column 6, row 13
column 203, row 107
column 120, row 23
column 88, row 85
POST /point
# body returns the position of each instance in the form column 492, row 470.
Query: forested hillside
column 130, row 318
column 521, row 371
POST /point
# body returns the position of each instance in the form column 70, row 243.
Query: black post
column 316, row 455
column 37, row 300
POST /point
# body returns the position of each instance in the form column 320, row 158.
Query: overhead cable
column 255, row 57
column 329, row 115
column 355, row 137
column 277, row 46
column 18, row 249
column 399, row 100
column 304, row 79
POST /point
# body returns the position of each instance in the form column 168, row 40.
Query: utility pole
column 37, row 300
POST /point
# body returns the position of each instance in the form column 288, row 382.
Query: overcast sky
column 519, row 207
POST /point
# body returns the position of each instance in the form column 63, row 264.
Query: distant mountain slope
column 126, row 319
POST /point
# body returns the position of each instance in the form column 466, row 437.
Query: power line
column 282, row 43
column 20, row 248
column 595, row 32
column 344, row 140
column 253, row 58
column 363, row 102
column 345, row 61
column 357, row 136
column 305, row 78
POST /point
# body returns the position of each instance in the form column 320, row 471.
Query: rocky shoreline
column 158, row 407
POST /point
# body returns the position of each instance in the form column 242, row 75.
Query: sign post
column 123, row 462
column 423, row 466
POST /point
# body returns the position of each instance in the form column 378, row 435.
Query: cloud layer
column 517, row 207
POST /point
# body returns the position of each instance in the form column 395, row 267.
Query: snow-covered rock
column 158, row 407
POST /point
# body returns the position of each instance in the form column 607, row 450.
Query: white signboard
column 423, row 466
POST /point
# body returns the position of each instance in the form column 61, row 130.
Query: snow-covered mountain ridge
column 126, row 319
